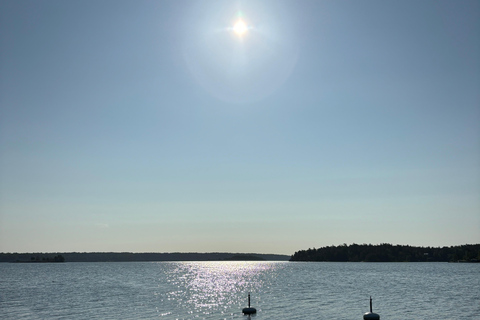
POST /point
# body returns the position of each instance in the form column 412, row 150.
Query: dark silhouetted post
column 249, row 310
column 370, row 315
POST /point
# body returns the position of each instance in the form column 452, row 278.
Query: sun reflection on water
column 216, row 287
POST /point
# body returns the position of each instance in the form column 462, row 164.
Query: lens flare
column 240, row 27
column 238, row 56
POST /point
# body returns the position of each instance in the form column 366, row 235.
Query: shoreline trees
column 390, row 253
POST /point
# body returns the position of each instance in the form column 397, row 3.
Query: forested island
column 129, row 256
column 390, row 253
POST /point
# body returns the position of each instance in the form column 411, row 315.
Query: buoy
column 249, row 310
column 370, row 315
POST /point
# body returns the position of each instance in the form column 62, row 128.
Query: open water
column 218, row 290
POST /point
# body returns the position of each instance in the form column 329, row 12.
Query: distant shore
column 40, row 258
column 20, row 261
column 129, row 256
column 468, row 253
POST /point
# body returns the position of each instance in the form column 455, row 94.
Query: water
column 218, row 290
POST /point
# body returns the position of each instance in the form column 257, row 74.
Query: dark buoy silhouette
column 370, row 315
column 249, row 310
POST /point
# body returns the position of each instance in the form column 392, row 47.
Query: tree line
column 390, row 253
column 130, row 256
column 40, row 258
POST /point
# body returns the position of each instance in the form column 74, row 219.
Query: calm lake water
column 218, row 290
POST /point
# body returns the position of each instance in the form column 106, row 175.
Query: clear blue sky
column 154, row 126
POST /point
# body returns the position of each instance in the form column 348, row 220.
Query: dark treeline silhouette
column 42, row 258
column 129, row 256
column 390, row 253
column 245, row 257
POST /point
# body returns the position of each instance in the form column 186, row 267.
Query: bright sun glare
column 240, row 27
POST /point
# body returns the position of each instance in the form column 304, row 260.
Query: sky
column 163, row 126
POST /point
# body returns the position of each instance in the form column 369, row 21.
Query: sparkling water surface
column 218, row 290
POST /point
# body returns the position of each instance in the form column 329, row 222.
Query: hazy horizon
column 239, row 126
column 226, row 252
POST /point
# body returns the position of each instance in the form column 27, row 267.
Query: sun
column 240, row 27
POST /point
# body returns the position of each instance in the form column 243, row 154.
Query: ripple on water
column 218, row 290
